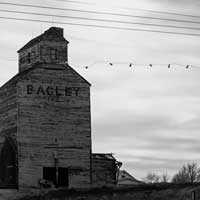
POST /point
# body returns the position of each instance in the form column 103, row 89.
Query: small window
column 54, row 54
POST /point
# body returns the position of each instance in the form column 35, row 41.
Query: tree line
column 188, row 173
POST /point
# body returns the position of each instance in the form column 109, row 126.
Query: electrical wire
column 79, row 2
column 101, row 26
column 138, row 9
column 100, row 20
column 129, row 64
column 162, row 12
column 97, row 12
column 133, row 64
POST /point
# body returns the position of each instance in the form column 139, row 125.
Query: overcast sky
column 149, row 117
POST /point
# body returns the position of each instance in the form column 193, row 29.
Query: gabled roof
column 124, row 175
column 58, row 32
column 39, row 65
column 79, row 75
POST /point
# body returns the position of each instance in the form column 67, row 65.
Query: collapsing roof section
column 46, row 36
column 107, row 156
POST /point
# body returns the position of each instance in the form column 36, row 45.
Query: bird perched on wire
column 111, row 64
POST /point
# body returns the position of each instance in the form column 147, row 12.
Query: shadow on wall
column 8, row 168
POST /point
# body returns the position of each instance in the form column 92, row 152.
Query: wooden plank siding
column 103, row 172
column 50, row 124
column 8, row 131
column 45, row 117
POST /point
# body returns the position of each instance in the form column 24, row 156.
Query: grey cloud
column 152, row 129
column 173, row 144
column 129, row 125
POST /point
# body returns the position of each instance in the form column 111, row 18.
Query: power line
column 129, row 64
column 101, row 26
column 162, row 12
column 97, row 12
column 133, row 64
column 101, row 20
column 139, row 9
column 79, row 2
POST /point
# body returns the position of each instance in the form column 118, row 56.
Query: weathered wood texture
column 45, row 113
column 103, row 172
column 8, row 111
column 53, row 112
column 8, row 135
column 54, row 125
column 49, row 47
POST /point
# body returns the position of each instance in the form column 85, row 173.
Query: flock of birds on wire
column 132, row 65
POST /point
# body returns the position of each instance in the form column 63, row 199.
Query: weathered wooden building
column 45, row 119
column 104, row 169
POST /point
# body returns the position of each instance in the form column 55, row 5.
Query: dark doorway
column 62, row 177
column 49, row 173
column 8, row 170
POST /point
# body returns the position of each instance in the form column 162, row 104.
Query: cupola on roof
column 49, row 47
